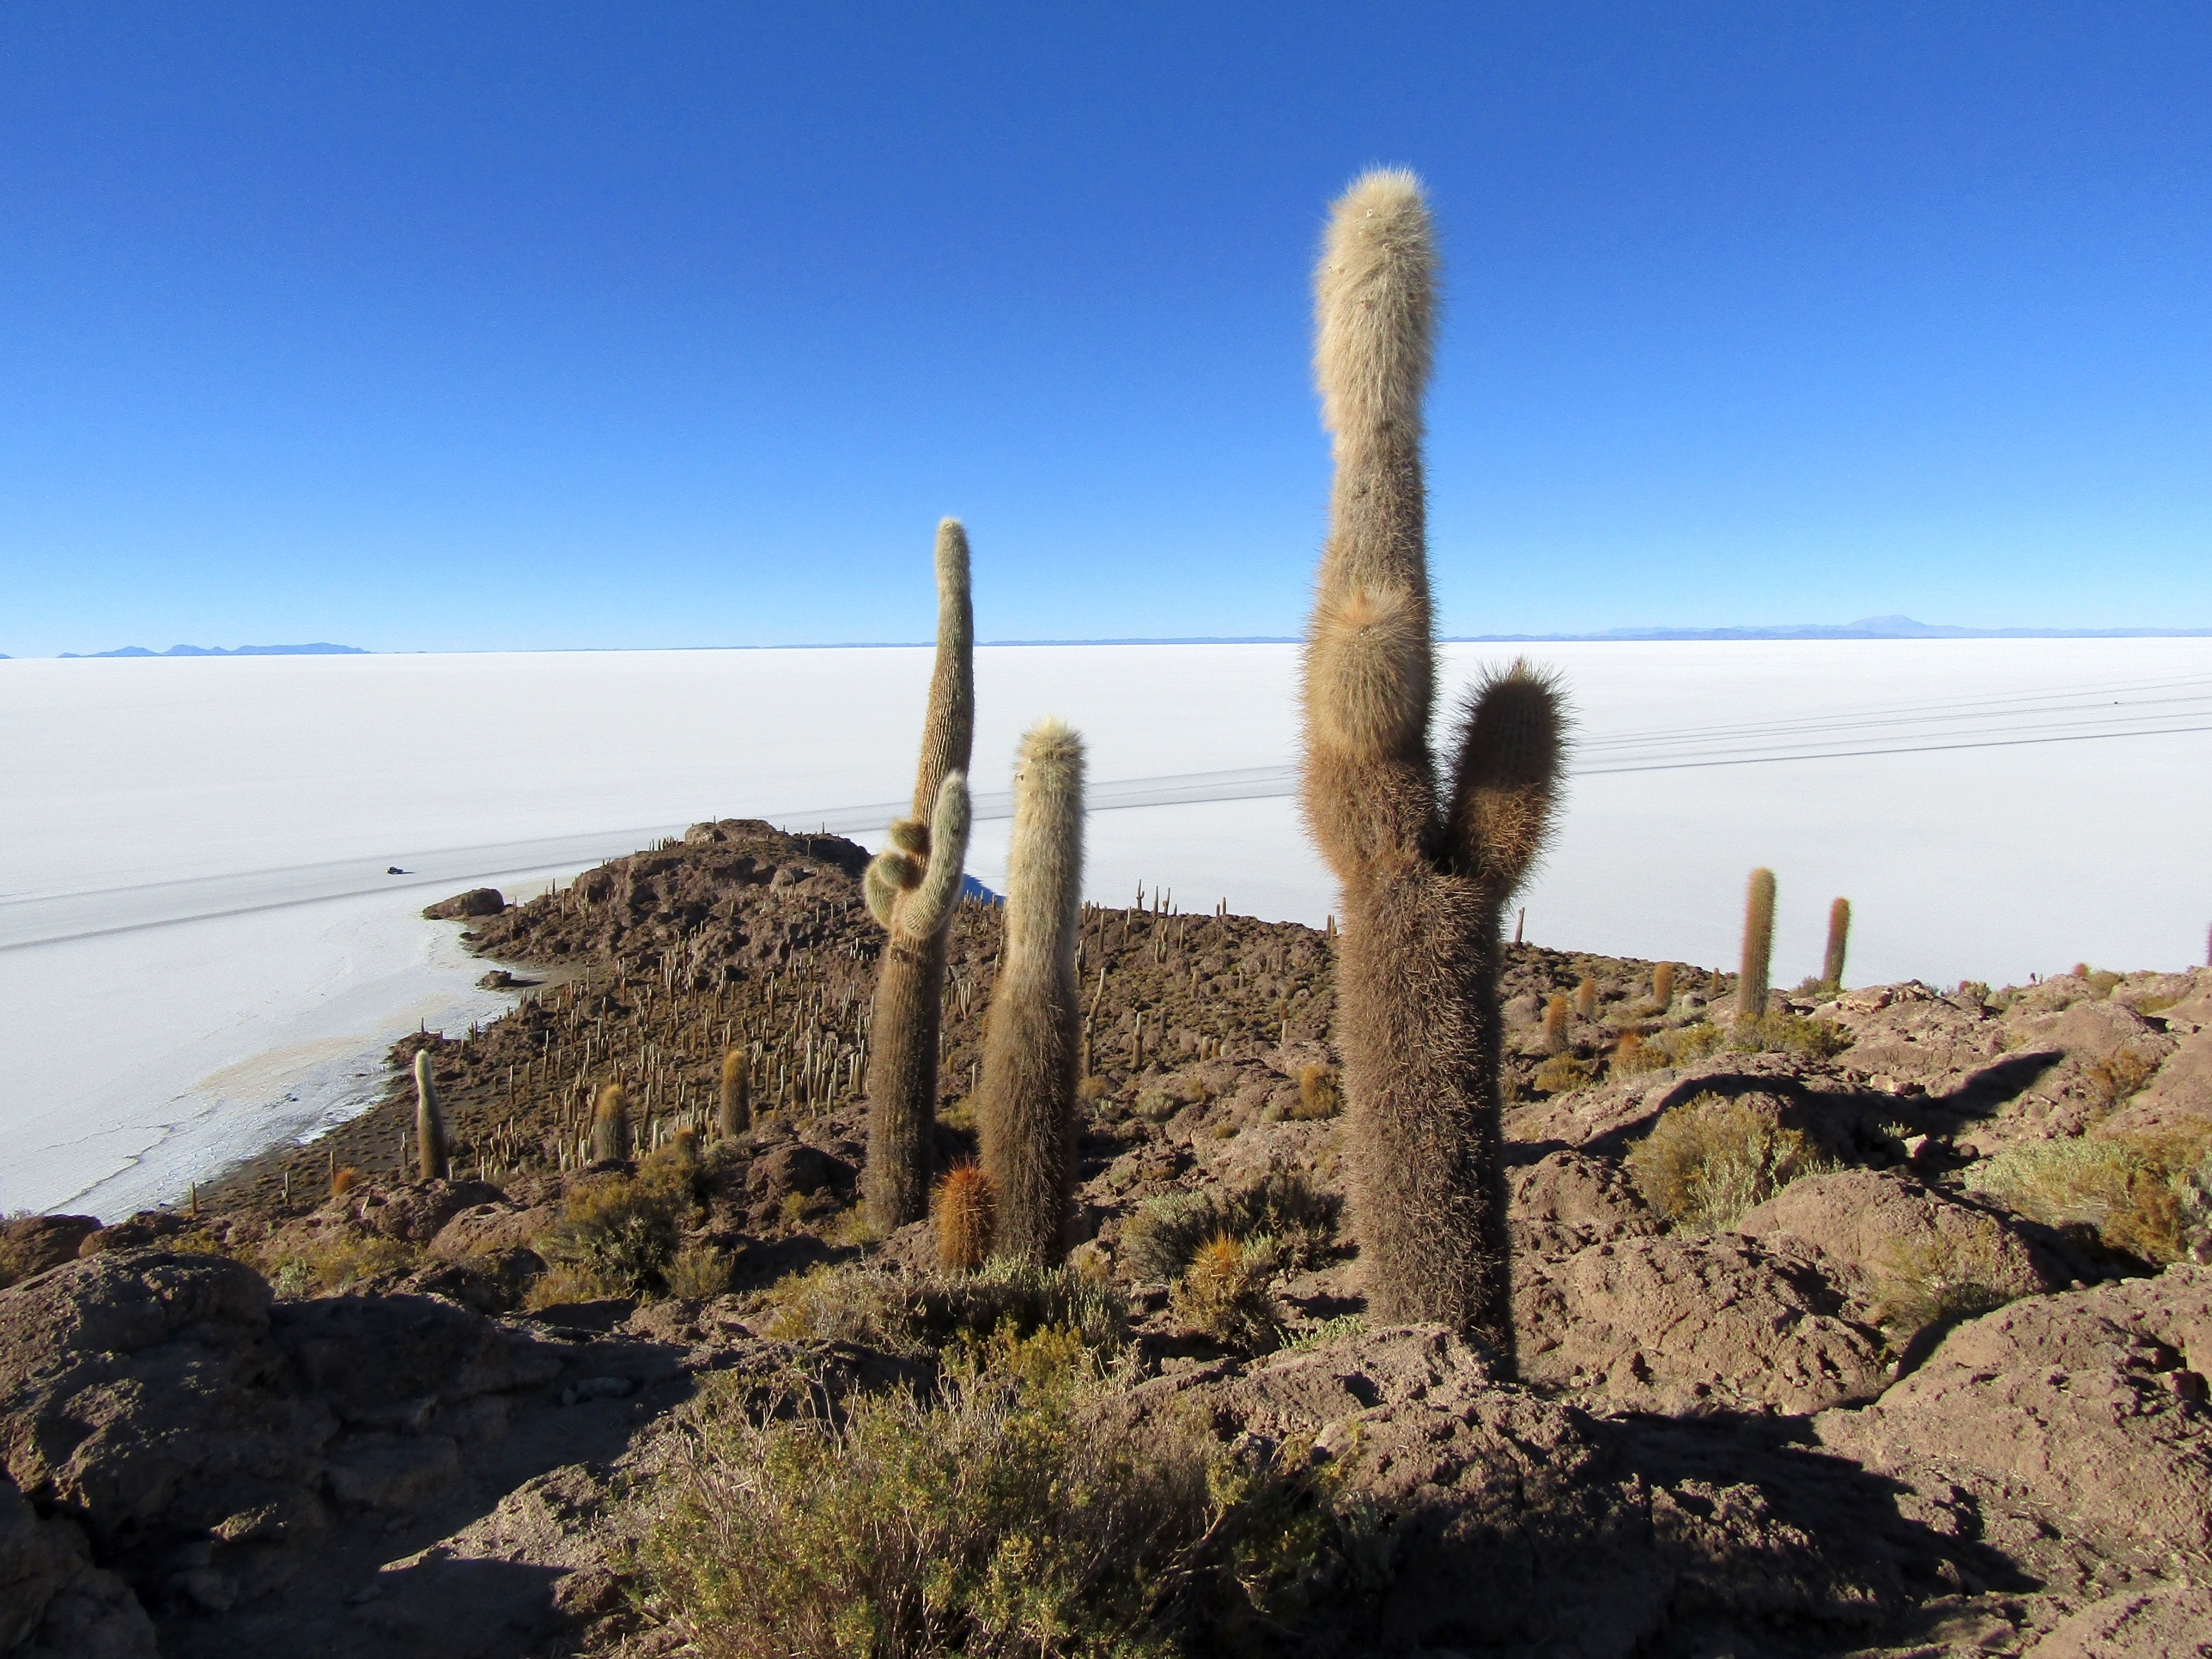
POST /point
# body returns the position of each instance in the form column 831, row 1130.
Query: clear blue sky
column 461, row 326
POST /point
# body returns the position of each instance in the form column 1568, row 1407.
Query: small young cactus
column 966, row 1213
column 1663, row 987
column 1586, row 998
column 912, row 888
column 429, row 1126
column 609, row 1126
column 1032, row 1035
column 1555, row 1024
column 1839, row 935
column 733, row 1113
column 1758, row 947
column 1428, row 865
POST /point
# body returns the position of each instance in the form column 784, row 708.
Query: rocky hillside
column 1875, row 1325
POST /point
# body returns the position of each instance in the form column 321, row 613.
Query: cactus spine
column 609, row 1126
column 912, row 888
column 1032, row 1035
column 734, row 1110
column 1839, row 935
column 1426, row 882
column 1758, row 947
column 429, row 1126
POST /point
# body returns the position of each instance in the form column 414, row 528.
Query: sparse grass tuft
column 1318, row 1094
column 1939, row 1278
column 1709, row 1160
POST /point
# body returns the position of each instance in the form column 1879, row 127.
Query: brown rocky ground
column 1721, row 1441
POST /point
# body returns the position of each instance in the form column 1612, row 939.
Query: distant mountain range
column 320, row 649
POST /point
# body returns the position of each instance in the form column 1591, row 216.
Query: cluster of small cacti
column 1427, row 872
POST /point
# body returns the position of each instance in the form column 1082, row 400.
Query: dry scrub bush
column 616, row 1237
column 1563, row 1074
column 336, row 1263
column 910, row 1316
column 1938, row 1280
column 2112, row 1081
column 2147, row 1194
column 1318, row 1094
column 698, row 1271
column 1783, row 1032
column 1021, row 1510
column 1709, row 1160
column 1223, row 1293
column 1160, row 1241
column 1664, row 1049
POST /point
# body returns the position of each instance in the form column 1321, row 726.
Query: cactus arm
column 948, row 729
column 924, row 913
column 881, row 887
column 1511, row 754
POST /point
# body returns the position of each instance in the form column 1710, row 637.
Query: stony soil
column 1714, row 1444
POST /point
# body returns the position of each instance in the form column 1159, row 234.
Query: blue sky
column 470, row 326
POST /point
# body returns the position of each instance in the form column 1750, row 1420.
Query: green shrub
column 1662, row 1050
column 335, row 1263
column 1706, row 1162
column 699, row 1270
column 1013, row 1515
column 2147, row 1194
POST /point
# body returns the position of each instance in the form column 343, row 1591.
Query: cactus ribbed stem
column 1839, row 936
column 1425, row 879
column 1751, row 986
column 430, row 1125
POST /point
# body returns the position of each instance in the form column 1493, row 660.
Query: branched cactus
column 734, row 1110
column 1032, row 1035
column 1758, row 947
column 429, row 1125
column 609, row 1126
column 913, row 886
column 1426, row 880
column 966, row 1217
column 1839, row 936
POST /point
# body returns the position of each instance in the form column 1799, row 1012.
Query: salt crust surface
column 1971, row 843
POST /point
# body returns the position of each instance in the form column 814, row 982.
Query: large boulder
column 1882, row 1223
column 1567, row 1201
column 1690, row 1325
column 477, row 902
column 54, row 1603
column 2092, row 1401
column 32, row 1243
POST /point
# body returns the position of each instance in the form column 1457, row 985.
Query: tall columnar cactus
column 430, row 1125
column 1663, row 987
column 1758, row 947
column 912, row 888
column 1032, row 1037
column 609, row 1126
column 1426, row 877
column 734, row 1110
column 1839, row 936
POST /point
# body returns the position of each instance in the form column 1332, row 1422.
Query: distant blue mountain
column 319, row 649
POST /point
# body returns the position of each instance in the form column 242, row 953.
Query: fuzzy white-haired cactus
column 1427, row 879
column 912, row 887
column 1032, row 1037
column 431, row 1162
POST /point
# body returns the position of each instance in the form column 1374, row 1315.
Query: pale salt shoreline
column 1984, row 862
